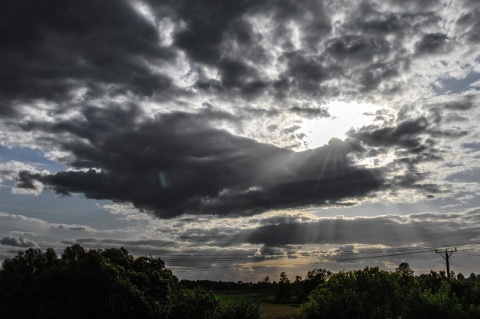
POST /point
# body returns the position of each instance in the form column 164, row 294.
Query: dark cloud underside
column 379, row 230
column 179, row 164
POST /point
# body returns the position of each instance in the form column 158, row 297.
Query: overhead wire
column 343, row 256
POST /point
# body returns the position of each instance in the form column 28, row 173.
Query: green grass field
column 277, row 311
column 268, row 308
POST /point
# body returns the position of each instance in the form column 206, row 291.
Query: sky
column 240, row 139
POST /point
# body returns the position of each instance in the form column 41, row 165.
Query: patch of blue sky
column 74, row 209
column 31, row 156
column 438, row 205
column 455, row 86
column 468, row 176
column 471, row 147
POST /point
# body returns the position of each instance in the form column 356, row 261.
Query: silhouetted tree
column 404, row 269
column 284, row 291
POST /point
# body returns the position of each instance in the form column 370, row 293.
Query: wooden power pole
column 447, row 255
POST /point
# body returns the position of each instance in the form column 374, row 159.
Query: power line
column 469, row 254
column 334, row 258
column 382, row 256
column 251, row 257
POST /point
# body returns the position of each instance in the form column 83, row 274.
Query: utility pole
column 447, row 253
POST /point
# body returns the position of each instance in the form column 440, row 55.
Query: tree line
column 284, row 290
column 105, row 284
column 111, row 283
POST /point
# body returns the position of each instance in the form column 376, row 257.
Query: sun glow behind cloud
column 343, row 117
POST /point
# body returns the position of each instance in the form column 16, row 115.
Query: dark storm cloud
column 178, row 163
column 49, row 48
column 436, row 229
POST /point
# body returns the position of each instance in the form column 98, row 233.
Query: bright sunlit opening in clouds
column 343, row 117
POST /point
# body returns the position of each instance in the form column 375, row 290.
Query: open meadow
column 268, row 308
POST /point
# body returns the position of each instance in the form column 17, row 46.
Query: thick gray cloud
column 179, row 164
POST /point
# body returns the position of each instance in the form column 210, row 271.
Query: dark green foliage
column 111, row 283
column 314, row 277
column 239, row 309
column 404, row 269
column 374, row 293
column 368, row 293
column 284, row 292
column 94, row 284
column 196, row 303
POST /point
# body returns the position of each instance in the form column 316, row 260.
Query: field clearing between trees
column 268, row 308
column 260, row 297
column 278, row 311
